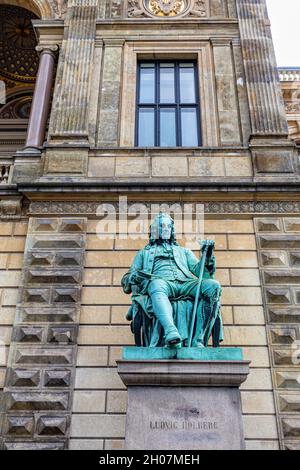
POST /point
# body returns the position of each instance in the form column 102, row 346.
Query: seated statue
column 166, row 309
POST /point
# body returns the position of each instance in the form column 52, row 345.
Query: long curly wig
column 156, row 222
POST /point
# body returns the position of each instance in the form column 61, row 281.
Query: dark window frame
column 177, row 105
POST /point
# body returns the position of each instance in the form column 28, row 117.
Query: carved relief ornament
column 166, row 8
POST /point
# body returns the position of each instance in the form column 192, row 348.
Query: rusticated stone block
column 283, row 335
column 34, row 445
column 282, row 277
column 19, row 425
column 284, row 357
column 52, row 425
column 23, row 378
column 46, row 276
column 67, row 242
column 68, row 258
column 28, row 334
column 49, row 314
column 274, row 258
column 295, row 260
column 57, row 378
column 287, row 379
column 284, row 315
column 40, row 259
column 268, row 225
column 66, row 295
column 33, row 295
column 297, row 293
column 43, row 225
column 292, row 225
column 289, row 402
column 63, row 335
column 72, row 225
column 291, row 427
column 36, row 401
column 41, row 355
column 277, row 295
column 279, row 241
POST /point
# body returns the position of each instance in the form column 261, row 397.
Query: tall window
column 167, row 104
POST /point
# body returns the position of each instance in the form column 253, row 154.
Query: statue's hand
column 209, row 246
column 135, row 278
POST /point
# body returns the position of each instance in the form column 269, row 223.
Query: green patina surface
column 175, row 298
column 197, row 354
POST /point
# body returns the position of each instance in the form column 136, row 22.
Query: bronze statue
column 175, row 298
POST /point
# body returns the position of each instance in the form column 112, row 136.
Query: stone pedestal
column 183, row 404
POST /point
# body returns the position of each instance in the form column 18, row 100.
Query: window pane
column 187, row 83
column 167, row 83
column 146, row 127
column 167, row 127
column 189, row 127
column 147, row 83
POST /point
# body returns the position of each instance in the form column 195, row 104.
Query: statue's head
column 162, row 229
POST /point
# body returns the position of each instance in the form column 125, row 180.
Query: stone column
column 273, row 154
column 69, row 117
column 41, row 98
column 265, row 99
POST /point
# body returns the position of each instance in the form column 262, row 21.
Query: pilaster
column 229, row 130
column 69, row 117
column 273, row 154
column 108, row 123
column 279, row 257
column 41, row 365
column 265, row 99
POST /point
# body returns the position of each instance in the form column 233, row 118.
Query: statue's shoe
column 195, row 344
column 173, row 338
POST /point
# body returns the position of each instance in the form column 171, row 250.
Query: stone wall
column 99, row 407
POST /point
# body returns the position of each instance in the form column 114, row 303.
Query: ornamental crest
column 166, row 7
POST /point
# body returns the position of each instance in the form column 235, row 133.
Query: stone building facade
column 62, row 318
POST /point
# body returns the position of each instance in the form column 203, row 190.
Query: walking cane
column 202, row 264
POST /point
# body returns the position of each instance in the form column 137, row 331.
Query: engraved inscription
column 184, row 425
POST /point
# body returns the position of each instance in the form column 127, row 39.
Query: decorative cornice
column 216, row 207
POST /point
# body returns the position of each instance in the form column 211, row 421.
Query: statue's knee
column 157, row 285
column 213, row 288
